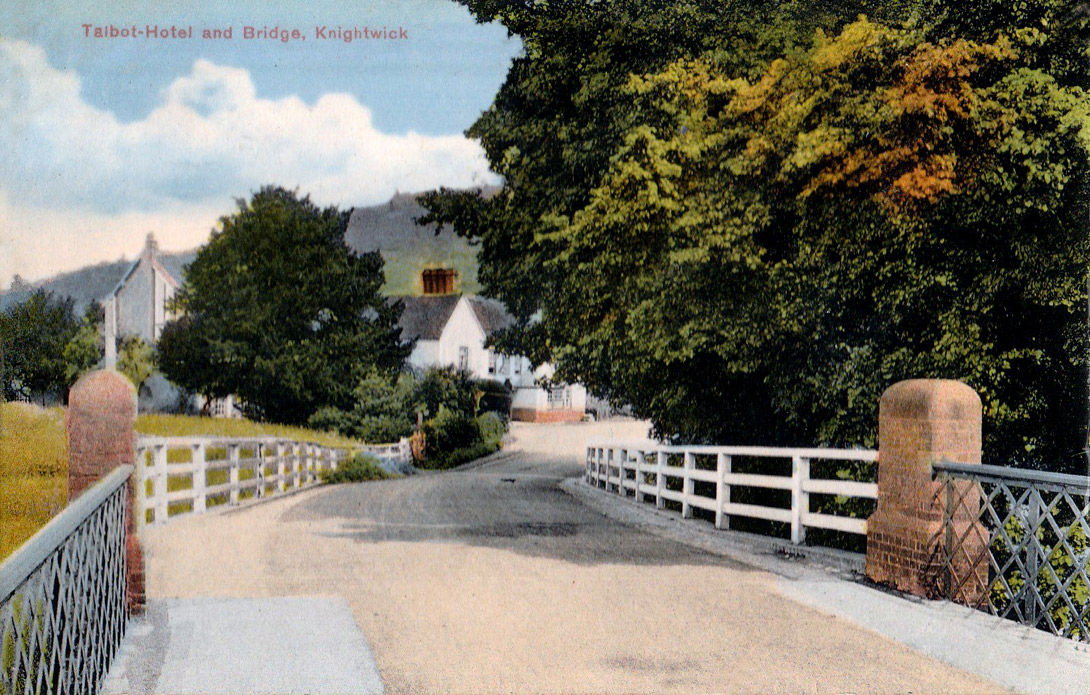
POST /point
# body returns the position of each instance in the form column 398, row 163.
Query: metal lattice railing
column 1017, row 544
column 62, row 596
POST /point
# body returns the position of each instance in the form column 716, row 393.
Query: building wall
column 134, row 304
column 142, row 303
column 425, row 354
column 463, row 331
column 164, row 292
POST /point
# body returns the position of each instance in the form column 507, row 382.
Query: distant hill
column 92, row 282
column 407, row 248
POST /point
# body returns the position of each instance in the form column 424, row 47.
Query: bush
column 485, row 432
column 360, row 468
column 450, row 430
column 384, row 410
column 491, row 428
column 446, row 386
column 444, row 460
column 457, row 428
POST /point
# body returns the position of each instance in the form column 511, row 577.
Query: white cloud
column 79, row 186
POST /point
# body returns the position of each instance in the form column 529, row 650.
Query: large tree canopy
column 748, row 221
column 278, row 311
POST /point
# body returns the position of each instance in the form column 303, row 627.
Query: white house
column 138, row 304
column 451, row 329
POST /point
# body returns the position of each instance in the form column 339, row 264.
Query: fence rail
column 1016, row 543
column 705, row 477
column 62, row 596
column 180, row 475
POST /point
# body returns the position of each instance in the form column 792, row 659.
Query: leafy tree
column 136, row 360
column 280, row 312
column 183, row 350
column 747, row 228
column 383, row 411
column 33, row 335
column 83, row 352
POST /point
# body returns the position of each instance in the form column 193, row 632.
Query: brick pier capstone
column 920, row 422
column 100, row 422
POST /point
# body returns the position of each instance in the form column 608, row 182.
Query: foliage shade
column 279, row 312
column 33, row 336
column 447, row 400
column 747, row 220
column 136, row 360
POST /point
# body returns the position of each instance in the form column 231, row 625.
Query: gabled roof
column 424, row 318
column 491, row 314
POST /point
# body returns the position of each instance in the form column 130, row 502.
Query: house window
column 463, row 358
column 492, row 362
column 559, row 397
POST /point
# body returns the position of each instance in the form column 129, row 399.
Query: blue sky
column 108, row 139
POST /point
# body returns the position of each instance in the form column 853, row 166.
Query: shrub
column 446, row 386
column 384, row 410
column 360, row 468
column 490, row 427
column 450, row 430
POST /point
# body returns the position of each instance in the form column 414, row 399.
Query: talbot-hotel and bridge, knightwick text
column 321, row 32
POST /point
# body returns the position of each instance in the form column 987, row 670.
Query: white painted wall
column 425, row 354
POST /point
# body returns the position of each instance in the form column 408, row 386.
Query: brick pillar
column 920, row 421
column 100, row 420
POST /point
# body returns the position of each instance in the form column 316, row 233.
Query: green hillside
column 408, row 247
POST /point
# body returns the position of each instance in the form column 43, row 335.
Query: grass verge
column 33, row 471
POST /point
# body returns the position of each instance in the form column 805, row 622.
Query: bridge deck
column 493, row 579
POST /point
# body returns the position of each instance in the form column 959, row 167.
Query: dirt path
column 492, row 579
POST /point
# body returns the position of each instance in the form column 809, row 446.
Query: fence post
column 622, row 459
column 281, row 469
column 99, row 423
column 687, row 487
column 200, row 478
column 722, row 491
column 162, row 505
column 296, row 464
column 660, row 479
column 920, row 421
column 800, row 500
column 233, row 456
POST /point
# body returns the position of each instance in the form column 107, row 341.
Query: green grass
column 33, row 471
column 34, row 460
column 188, row 426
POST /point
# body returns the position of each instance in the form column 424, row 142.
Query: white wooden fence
column 643, row 469
column 180, row 475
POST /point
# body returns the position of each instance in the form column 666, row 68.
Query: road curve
column 491, row 579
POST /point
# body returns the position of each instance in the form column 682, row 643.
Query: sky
column 104, row 139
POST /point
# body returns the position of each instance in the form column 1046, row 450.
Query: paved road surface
column 491, row 579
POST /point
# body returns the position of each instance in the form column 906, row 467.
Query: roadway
column 493, row 579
